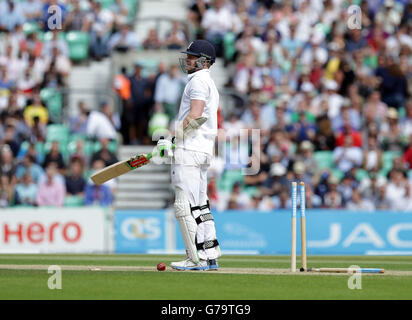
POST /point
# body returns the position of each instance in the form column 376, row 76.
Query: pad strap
column 207, row 245
column 206, row 206
column 204, row 217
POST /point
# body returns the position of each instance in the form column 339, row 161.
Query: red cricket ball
column 161, row 266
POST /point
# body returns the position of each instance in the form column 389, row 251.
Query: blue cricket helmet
column 202, row 48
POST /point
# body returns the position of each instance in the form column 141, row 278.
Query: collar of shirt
column 200, row 72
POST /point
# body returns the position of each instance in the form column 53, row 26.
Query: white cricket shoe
column 188, row 264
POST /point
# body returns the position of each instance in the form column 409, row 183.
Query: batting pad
column 187, row 223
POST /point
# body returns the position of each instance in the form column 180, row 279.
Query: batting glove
column 165, row 147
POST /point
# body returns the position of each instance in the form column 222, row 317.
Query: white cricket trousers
column 189, row 173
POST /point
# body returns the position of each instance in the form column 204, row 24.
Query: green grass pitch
column 240, row 277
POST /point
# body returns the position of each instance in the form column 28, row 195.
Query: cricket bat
column 121, row 167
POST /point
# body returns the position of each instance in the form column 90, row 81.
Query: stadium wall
column 250, row 232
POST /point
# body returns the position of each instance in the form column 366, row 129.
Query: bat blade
column 119, row 168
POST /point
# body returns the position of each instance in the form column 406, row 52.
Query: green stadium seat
column 57, row 132
column 48, row 36
column 54, row 103
column 229, row 46
column 361, row 174
column 30, row 27
column 324, row 159
column 106, row 3
column 132, row 6
column 229, row 178
column 78, row 43
column 387, row 159
column 73, row 201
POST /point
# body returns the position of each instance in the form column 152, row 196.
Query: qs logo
column 141, row 228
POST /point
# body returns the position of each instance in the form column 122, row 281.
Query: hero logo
column 364, row 233
column 139, row 228
column 37, row 232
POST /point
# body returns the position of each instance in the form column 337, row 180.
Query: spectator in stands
column 217, row 21
column 55, row 156
column 374, row 107
column 372, row 155
column 358, row 204
column 393, row 84
column 32, row 10
column 98, row 195
column 51, row 191
column 7, row 163
column 31, row 151
column 406, row 122
column 138, row 114
column 36, row 109
column 276, row 181
column 10, row 138
column 391, row 135
column 260, row 202
column 10, row 16
column 75, row 183
column 348, row 131
column 333, row 198
column 60, row 65
column 100, row 31
column 347, row 156
column 29, row 165
column 168, row 91
column 123, row 40
column 31, row 45
column 302, row 129
column 304, row 154
column 56, row 42
column 121, row 12
column 5, row 80
column 26, row 191
column 104, row 154
column 176, row 38
column 103, row 123
column 398, row 190
column 78, row 123
column 7, row 194
column 282, row 201
column 237, row 198
column 76, row 19
column 407, row 156
column 324, row 138
column 152, row 40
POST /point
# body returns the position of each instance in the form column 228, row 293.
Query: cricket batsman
column 196, row 129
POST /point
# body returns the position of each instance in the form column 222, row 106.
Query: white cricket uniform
column 192, row 156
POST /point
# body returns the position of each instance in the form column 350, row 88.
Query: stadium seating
column 54, row 103
column 228, row 179
column 78, row 43
column 57, row 132
column 73, row 201
column 387, row 160
column 324, row 159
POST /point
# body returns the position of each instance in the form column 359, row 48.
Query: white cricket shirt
column 200, row 87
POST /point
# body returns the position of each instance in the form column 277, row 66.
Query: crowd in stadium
column 332, row 102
